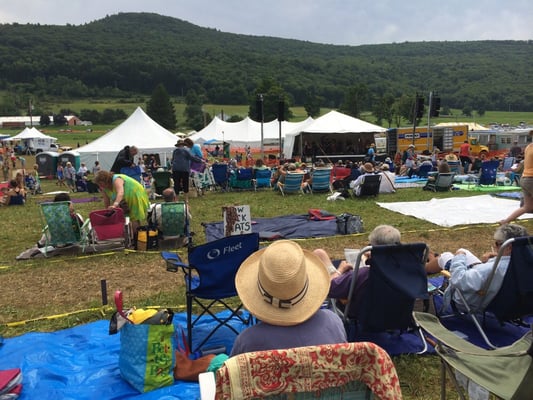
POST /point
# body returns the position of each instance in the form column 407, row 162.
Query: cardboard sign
column 237, row 220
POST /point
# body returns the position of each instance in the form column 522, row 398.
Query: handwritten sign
column 237, row 220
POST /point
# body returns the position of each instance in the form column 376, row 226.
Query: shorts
column 526, row 183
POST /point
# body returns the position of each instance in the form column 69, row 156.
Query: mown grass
column 60, row 292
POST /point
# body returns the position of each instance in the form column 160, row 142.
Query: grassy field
column 55, row 293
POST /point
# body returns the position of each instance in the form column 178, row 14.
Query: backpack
column 348, row 224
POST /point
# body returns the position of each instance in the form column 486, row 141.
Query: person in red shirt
column 464, row 156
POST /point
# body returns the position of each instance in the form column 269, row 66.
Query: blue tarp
column 288, row 227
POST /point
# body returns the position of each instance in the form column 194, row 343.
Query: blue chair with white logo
column 210, row 283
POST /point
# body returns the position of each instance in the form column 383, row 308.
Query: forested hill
column 133, row 52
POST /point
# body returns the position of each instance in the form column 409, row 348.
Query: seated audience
column 13, row 194
column 387, row 180
column 355, row 185
column 341, row 277
column 286, row 301
column 470, row 279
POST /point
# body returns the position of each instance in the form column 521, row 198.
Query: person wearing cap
column 368, row 169
column 284, row 287
column 181, row 168
column 469, row 274
column 409, row 152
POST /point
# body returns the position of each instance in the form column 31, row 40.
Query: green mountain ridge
column 133, row 52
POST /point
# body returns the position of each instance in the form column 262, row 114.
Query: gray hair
column 384, row 234
column 509, row 231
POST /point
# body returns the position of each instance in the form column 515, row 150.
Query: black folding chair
column 396, row 279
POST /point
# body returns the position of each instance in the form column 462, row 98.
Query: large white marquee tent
column 138, row 130
column 333, row 122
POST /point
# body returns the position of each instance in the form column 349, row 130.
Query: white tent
column 333, row 122
column 138, row 130
column 246, row 132
column 31, row 133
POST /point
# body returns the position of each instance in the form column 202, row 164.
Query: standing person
column 285, row 286
column 181, row 168
column 60, row 175
column 196, row 150
column 526, row 183
column 124, row 159
column 371, row 153
column 70, row 176
column 122, row 191
column 5, row 170
column 96, row 167
column 464, row 156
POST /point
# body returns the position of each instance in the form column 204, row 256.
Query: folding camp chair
column 174, row 226
column 210, row 281
column 109, row 228
column 220, row 175
column 370, row 185
column 292, row 183
column 396, row 279
column 513, row 300
column 262, row 178
column 60, row 227
column 443, row 182
column 334, row 371
column 506, row 372
column 424, row 170
column 321, row 180
column 161, row 180
column 487, row 173
column 241, row 178
column 455, row 167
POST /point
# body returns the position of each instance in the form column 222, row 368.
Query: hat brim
column 248, row 290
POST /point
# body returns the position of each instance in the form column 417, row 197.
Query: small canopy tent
column 332, row 124
column 138, row 130
column 32, row 139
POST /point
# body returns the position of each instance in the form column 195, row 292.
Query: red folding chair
column 109, row 226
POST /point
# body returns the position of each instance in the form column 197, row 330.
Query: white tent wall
column 138, row 130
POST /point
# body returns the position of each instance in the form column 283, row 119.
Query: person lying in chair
column 470, row 279
column 341, row 277
column 284, row 287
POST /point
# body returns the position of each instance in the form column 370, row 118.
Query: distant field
column 81, row 135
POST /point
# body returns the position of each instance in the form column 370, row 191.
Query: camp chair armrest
column 173, row 261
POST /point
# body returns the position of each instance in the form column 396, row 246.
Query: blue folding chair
column 241, row 179
column 292, row 183
column 321, row 180
column 396, row 279
column 221, row 175
column 488, row 173
column 424, row 170
column 210, row 281
column 262, row 178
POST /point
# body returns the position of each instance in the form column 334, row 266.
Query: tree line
column 132, row 53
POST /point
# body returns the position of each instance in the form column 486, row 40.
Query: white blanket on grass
column 458, row 210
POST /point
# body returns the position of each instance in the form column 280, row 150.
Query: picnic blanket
column 282, row 227
column 458, row 210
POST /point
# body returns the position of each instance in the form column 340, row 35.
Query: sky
column 342, row 22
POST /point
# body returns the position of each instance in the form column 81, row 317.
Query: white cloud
column 324, row 21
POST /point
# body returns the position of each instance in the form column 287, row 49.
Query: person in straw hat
column 367, row 169
column 284, row 287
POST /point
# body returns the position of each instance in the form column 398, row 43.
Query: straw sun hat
column 282, row 284
column 368, row 167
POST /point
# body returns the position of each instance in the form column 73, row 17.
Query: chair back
column 487, row 173
column 508, row 163
column 515, row 297
column 423, row 170
column 108, row 224
column 333, row 371
column 220, row 174
column 174, row 220
column 162, row 180
column 217, row 263
column 370, row 185
column 443, row 182
column 17, row 200
column 62, row 228
column 321, row 180
column 396, row 279
column 455, row 167
column 292, row 183
column 262, row 178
